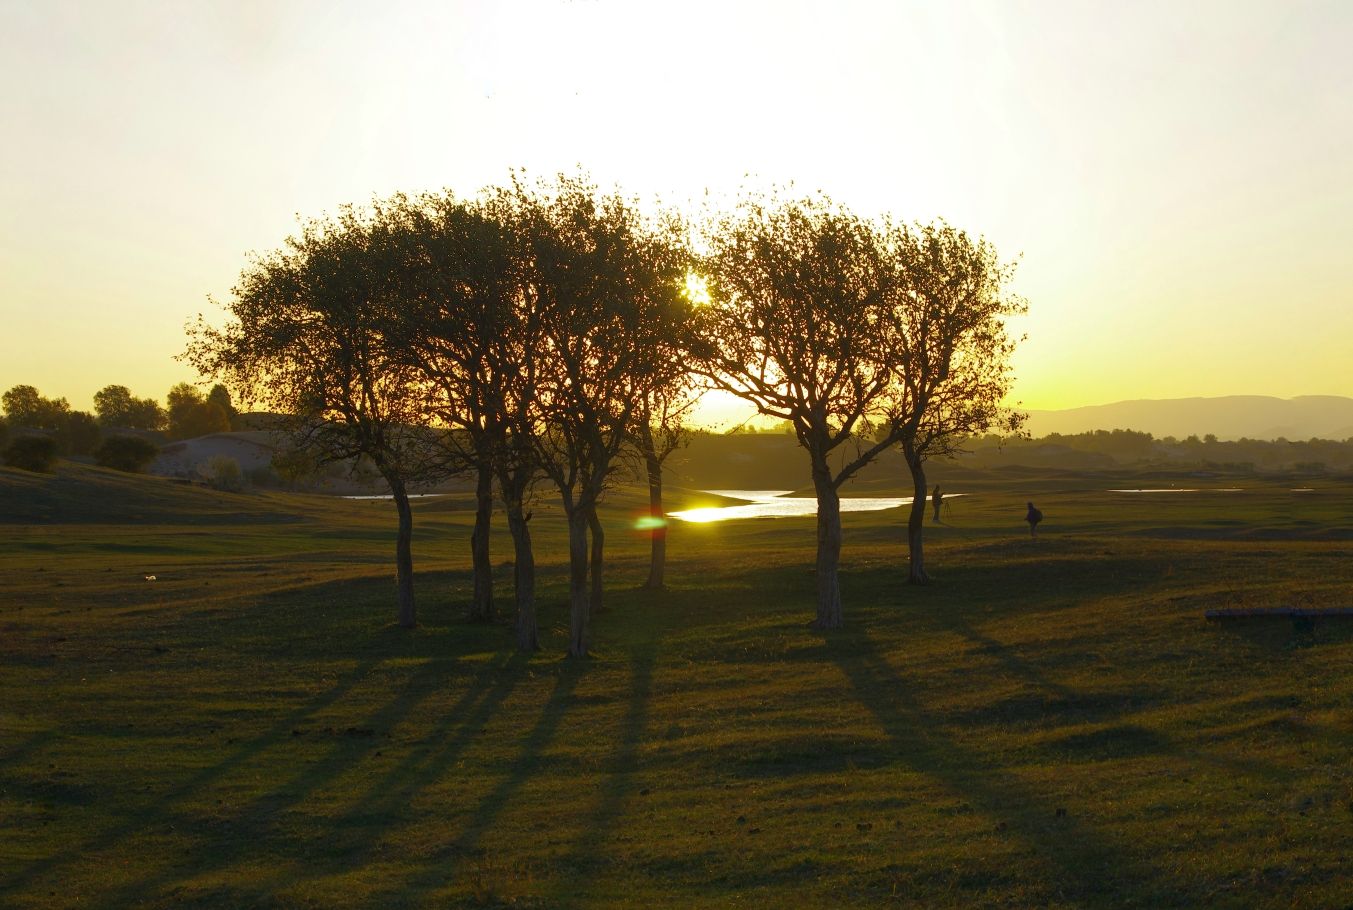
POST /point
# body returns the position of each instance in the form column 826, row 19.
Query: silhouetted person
column 1033, row 517
column 936, row 499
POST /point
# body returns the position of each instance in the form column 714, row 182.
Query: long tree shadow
column 160, row 809
column 417, row 771
column 356, row 833
column 27, row 748
column 1084, row 862
column 587, row 857
column 1058, row 699
column 252, row 827
column 462, row 853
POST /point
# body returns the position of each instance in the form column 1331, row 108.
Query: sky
column 1175, row 178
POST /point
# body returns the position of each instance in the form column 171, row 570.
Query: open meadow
column 1052, row 723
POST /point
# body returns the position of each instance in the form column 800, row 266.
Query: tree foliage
column 305, row 339
column 79, row 434
column 955, row 369
column 459, row 331
column 607, row 287
column 25, row 407
column 118, row 407
column 803, row 324
column 192, row 414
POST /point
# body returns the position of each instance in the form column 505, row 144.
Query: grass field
column 1051, row 724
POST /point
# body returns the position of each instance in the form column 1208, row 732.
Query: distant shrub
column 294, row 465
column 31, row 453
column 4, row 431
column 126, row 453
column 79, row 434
column 222, row 473
column 261, row 476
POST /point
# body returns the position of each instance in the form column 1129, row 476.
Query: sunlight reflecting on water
column 778, row 504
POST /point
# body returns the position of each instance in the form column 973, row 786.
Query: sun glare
column 697, row 290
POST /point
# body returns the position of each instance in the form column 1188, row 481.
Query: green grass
column 1051, row 724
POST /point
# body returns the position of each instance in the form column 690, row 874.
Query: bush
column 31, row 453
column 222, row 473
column 79, row 434
column 261, row 476
column 126, row 453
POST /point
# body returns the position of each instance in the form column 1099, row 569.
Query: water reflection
column 1183, row 490
column 779, row 504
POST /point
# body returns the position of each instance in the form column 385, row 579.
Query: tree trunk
column 481, row 608
column 657, row 562
column 916, row 574
column 523, row 576
column 828, row 550
column 598, row 541
column 579, row 620
column 403, row 553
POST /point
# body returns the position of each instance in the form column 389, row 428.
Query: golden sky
column 1177, row 176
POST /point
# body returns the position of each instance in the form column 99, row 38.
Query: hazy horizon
column 1176, row 179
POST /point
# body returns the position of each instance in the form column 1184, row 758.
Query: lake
column 779, row 504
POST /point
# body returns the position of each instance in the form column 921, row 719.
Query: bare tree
column 801, row 324
column 956, row 355
column 305, row 338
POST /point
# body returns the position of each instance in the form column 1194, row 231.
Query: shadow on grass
column 352, row 838
column 160, row 810
column 27, row 748
column 587, row 857
column 252, row 828
column 1062, row 705
column 461, row 854
column 1085, row 864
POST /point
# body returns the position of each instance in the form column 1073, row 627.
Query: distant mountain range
column 1230, row 417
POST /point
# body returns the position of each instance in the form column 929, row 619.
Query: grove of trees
column 552, row 334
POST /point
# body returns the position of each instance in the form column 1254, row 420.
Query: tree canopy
column 803, row 323
column 118, row 407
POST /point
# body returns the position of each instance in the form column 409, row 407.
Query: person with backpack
column 1033, row 517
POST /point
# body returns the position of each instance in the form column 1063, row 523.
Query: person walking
column 1033, row 517
column 936, row 500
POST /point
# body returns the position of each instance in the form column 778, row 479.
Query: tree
column 126, row 453
column 118, row 407
column 305, row 338
column 802, row 324
column 79, row 434
column 220, row 397
column 661, row 430
column 293, row 465
column 25, row 407
column 191, row 414
column 457, row 332
column 955, row 367
column 607, row 286
column 31, row 453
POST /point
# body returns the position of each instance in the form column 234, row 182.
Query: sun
column 697, row 290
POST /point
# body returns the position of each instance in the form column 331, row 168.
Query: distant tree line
column 1137, row 449
column 121, row 432
column 544, row 336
